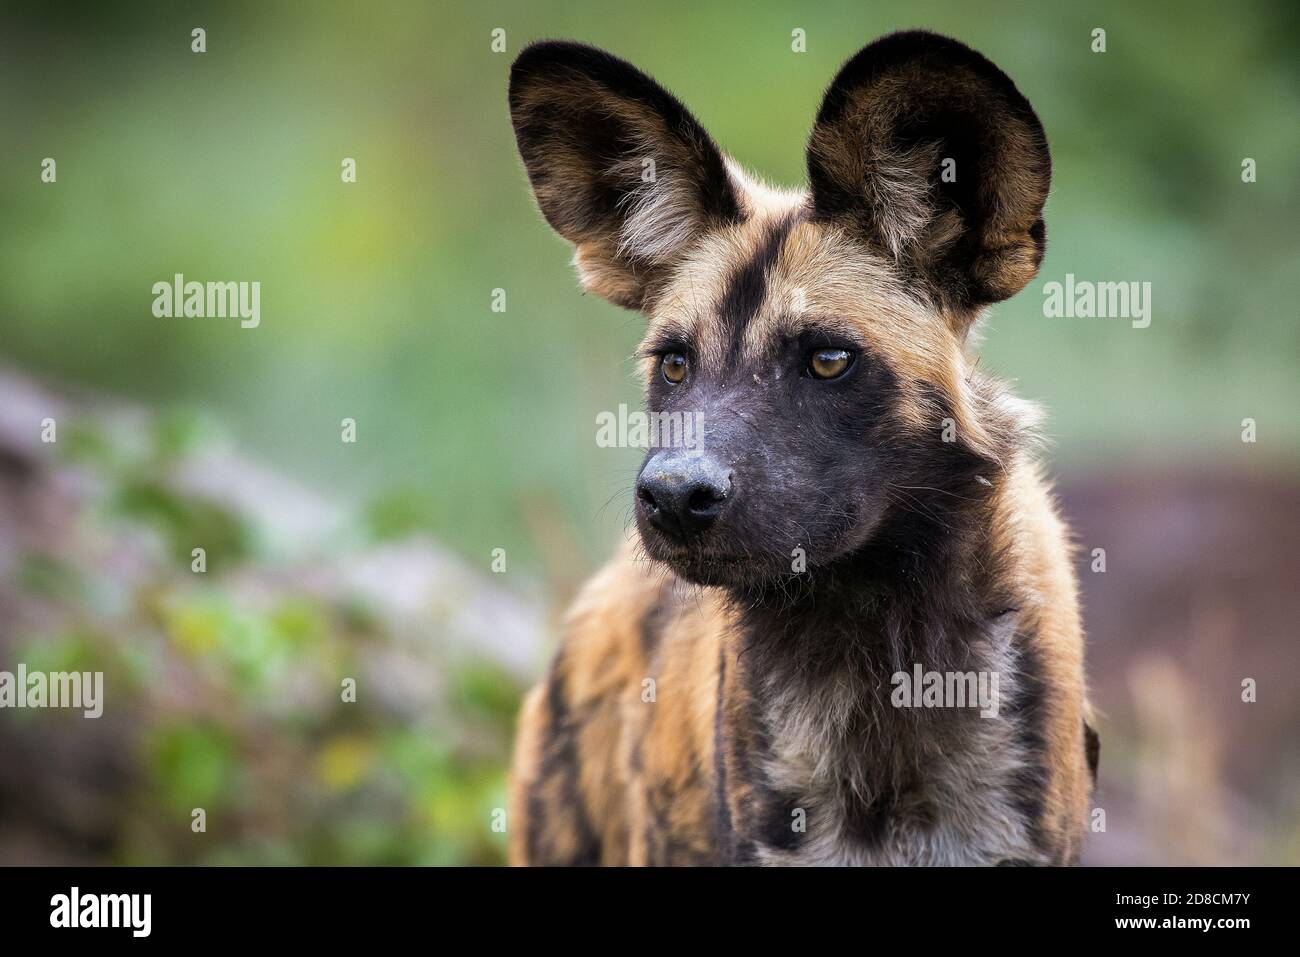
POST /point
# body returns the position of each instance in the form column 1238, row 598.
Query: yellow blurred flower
column 343, row 761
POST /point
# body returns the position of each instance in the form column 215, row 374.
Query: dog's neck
column 929, row 579
column 818, row 668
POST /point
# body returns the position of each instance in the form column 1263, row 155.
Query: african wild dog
column 823, row 338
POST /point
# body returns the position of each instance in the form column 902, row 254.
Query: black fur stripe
column 654, row 621
column 1029, row 711
column 1092, row 748
column 747, row 288
column 559, row 772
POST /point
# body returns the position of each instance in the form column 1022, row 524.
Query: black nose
column 683, row 496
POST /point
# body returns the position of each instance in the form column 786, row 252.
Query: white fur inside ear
column 899, row 190
column 659, row 216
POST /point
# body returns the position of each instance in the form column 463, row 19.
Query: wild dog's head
column 819, row 337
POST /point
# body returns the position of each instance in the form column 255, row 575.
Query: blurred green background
column 475, row 428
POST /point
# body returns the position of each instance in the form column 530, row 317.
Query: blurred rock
column 1199, row 593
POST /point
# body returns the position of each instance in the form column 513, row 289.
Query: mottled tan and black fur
column 713, row 702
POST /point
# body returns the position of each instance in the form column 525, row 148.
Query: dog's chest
column 880, row 807
column 834, row 776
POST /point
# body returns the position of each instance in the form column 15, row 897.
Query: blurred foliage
column 183, row 520
column 230, row 698
column 399, row 512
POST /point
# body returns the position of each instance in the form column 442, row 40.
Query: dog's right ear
column 619, row 167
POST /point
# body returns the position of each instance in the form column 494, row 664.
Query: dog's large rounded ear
column 928, row 152
column 619, row 167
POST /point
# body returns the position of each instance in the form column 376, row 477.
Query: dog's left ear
column 619, row 166
column 928, row 152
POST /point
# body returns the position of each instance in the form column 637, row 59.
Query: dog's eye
column 674, row 367
column 830, row 363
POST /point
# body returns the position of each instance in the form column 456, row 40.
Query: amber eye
column 674, row 367
column 829, row 363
